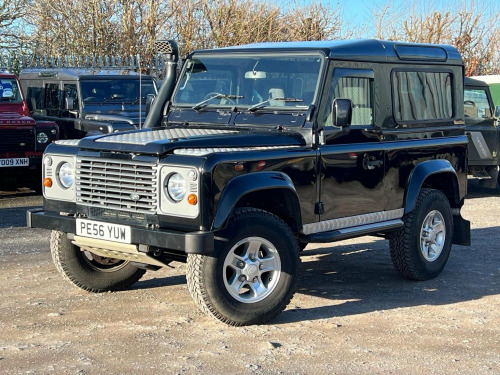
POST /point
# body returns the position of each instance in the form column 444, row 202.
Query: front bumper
column 188, row 242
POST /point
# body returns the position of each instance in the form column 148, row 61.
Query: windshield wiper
column 263, row 104
column 216, row 96
column 114, row 97
column 137, row 100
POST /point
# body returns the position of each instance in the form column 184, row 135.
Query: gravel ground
column 352, row 313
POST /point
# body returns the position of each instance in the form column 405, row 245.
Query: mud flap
column 490, row 183
column 461, row 231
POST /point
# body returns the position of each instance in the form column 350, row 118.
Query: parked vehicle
column 88, row 101
column 481, row 121
column 493, row 81
column 22, row 139
column 256, row 151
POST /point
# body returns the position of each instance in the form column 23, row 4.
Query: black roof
column 474, row 82
column 357, row 49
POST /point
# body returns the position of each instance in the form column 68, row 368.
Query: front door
column 351, row 159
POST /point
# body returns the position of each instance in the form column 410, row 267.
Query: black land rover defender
column 88, row 101
column 256, row 151
column 481, row 120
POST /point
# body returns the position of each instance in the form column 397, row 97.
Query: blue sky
column 360, row 12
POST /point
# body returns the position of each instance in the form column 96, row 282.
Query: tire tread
column 57, row 250
column 198, row 289
column 401, row 241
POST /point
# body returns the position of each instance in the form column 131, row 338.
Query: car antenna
column 140, row 91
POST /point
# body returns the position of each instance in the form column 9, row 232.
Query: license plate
column 103, row 231
column 14, row 162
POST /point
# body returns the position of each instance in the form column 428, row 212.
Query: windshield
column 9, row 91
column 116, row 90
column 254, row 82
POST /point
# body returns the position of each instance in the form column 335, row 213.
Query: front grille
column 17, row 140
column 117, row 184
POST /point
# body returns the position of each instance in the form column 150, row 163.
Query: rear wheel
column 420, row 249
column 89, row 271
column 251, row 276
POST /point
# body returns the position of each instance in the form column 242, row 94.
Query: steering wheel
column 214, row 93
column 470, row 102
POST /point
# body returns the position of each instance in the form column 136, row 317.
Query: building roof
column 494, row 78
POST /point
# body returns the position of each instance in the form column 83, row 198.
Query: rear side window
column 422, row 95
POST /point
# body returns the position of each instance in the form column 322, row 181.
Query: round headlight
column 176, row 187
column 42, row 138
column 66, row 175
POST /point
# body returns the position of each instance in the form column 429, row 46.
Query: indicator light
column 192, row 199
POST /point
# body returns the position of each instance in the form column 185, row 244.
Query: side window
column 354, row 84
column 35, row 97
column 70, row 92
column 51, row 96
column 420, row 95
column 476, row 103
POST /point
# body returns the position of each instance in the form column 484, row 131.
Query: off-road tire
column 207, row 276
column 406, row 243
column 71, row 264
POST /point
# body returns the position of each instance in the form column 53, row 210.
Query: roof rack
column 152, row 65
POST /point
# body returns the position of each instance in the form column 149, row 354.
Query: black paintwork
column 359, row 50
column 348, row 171
column 484, row 148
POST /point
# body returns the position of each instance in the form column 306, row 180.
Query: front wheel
column 251, row 276
column 420, row 249
column 89, row 271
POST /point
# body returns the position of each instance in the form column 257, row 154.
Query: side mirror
column 341, row 112
column 497, row 111
column 149, row 101
column 69, row 103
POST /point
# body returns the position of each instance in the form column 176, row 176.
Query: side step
column 342, row 234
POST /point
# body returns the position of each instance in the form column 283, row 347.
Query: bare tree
column 314, row 21
column 11, row 13
column 188, row 26
column 231, row 23
column 73, row 27
column 478, row 43
column 469, row 28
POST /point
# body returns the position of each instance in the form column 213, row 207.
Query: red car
column 22, row 139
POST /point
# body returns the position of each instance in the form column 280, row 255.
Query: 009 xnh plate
column 14, row 162
column 103, row 231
